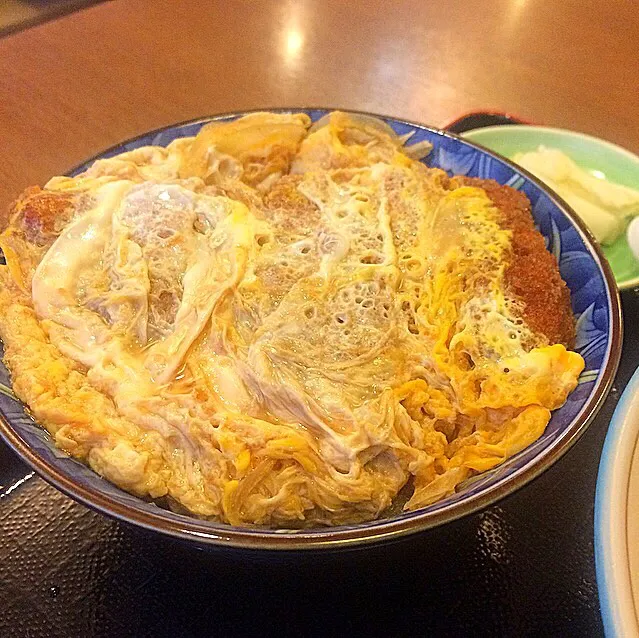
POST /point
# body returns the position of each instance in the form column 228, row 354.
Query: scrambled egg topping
column 273, row 326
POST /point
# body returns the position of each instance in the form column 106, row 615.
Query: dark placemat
column 524, row 567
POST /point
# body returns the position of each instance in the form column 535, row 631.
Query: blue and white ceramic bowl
column 595, row 303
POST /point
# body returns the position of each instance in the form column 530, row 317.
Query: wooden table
column 74, row 86
column 71, row 87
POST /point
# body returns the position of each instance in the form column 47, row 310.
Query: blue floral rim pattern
column 594, row 301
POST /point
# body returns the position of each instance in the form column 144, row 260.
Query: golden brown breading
column 532, row 274
column 40, row 215
column 35, row 220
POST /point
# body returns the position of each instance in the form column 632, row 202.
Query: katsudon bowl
column 595, row 304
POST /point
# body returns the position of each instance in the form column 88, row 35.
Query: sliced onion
column 415, row 151
column 419, row 150
column 358, row 118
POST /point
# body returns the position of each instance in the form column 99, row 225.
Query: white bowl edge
column 611, row 542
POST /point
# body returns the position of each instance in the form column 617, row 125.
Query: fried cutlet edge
column 532, row 275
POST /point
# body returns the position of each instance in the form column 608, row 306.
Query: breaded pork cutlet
column 532, row 274
column 291, row 352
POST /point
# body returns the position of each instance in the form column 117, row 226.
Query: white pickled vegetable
column 604, row 206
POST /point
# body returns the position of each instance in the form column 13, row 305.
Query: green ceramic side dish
column 601, row 158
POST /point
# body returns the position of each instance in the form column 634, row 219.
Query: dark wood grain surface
column 70, row 87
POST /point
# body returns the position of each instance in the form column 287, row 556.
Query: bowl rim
column 215, row 534
column 619, row 610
